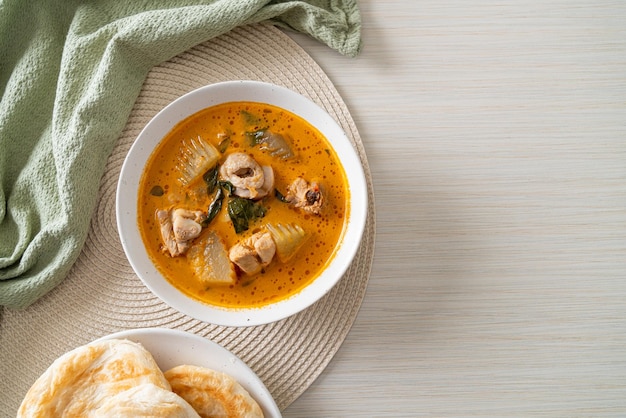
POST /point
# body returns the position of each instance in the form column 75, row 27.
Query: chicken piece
column 178, row 228
column 268, row 182
column 305, row 196
column 251, row 180
column 167, row 232
column 264, row 246
column 254, row 253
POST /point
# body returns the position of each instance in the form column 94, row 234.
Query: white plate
column 161, row 124
column 172, row 348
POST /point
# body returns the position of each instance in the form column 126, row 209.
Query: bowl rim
column 190, row 103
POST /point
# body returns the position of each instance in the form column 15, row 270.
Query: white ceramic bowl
column 162, row 123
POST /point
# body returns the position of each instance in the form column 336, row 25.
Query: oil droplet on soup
column 238, row 127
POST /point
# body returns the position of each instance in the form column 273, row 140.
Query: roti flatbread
column 212, row 393
column 92, row 376
column 145, row 400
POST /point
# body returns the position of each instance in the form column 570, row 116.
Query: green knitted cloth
column 70, row 72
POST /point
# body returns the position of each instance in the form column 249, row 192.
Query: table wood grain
column 496, row 136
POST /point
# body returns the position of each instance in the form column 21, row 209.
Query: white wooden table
column 496, row 135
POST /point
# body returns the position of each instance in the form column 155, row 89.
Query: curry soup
column 228, row 127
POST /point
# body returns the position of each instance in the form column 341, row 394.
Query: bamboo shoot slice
column 209, row 261
column 195, row 158
column 288, row 238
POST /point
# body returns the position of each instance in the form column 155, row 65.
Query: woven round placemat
column 102, row 294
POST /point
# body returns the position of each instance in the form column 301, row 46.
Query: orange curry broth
column 315, row 160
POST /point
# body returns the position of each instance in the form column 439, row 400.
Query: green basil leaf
column 256, row 137
column 280, row 196
column 210, row 178
column 214, row 207
column 157, row 191
column 249, row 118
column 228, row 186
column 243, row 211
column 224, row 144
